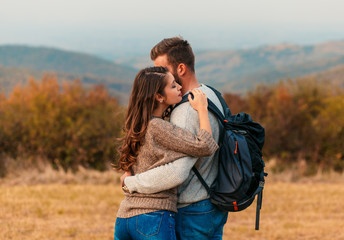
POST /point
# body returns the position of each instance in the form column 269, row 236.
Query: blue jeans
column 159, row 225
column 200, row 220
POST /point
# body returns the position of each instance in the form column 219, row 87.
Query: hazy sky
column 116, row 29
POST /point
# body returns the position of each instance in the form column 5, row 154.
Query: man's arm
column 172, row 174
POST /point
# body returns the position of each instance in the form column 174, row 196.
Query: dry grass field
column 86, row 210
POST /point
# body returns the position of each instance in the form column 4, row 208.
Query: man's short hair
column 177, row 50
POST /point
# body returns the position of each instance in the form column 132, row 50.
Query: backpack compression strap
column 201, row 179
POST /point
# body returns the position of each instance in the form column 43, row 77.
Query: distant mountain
column 19, row 63
column 11, row 76
column 229, row 71
column 40, row 58
column 239, row 70
column 335, row 74
column 243, row 69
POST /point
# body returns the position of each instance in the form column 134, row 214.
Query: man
column 197, row 218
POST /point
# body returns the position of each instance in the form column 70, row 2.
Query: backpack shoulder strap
column 221, row 117
column 211, row 106
column 216, row 111
column 225, row 107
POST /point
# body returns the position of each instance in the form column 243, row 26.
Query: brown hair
column 177, row 50
column 148, row 82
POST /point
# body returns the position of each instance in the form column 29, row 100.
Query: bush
column 68, row 124
column 303, row 119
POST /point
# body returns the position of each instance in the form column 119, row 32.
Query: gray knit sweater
column 164, row 142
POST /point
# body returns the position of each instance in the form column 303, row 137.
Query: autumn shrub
column 304, row 119
column 66, row 124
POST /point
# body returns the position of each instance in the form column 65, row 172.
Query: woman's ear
column 159, row 97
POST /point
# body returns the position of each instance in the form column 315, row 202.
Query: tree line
column 69, row 125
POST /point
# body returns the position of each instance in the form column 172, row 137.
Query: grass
column 293, row 211
column 74, row 210
column 58, row 211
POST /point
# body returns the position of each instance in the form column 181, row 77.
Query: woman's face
column 172, row 91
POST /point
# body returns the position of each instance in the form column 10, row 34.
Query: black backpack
column 241, row 164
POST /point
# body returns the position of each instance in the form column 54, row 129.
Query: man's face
column 163, row 62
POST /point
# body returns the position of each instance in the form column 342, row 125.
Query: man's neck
column 189, row 83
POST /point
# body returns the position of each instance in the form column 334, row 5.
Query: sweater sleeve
column 181, row 140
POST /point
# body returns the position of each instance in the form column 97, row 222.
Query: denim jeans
column 159, row 225
column 200, row 221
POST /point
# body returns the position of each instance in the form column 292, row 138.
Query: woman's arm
column 181, row 140
column 200, row 104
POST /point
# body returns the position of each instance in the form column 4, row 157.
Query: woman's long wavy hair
column 148, row 82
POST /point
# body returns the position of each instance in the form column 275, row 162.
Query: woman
column 151, row 141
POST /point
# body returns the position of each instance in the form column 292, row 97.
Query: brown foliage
column 303, row 119
column 67, row 125
column 236, row 103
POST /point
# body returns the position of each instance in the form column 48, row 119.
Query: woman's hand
column 199, row 102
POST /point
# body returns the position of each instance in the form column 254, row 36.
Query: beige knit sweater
column 163, row 143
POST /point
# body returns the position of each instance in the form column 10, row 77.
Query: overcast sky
column 131, row 27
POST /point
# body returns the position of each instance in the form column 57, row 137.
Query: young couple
column 163, row 197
